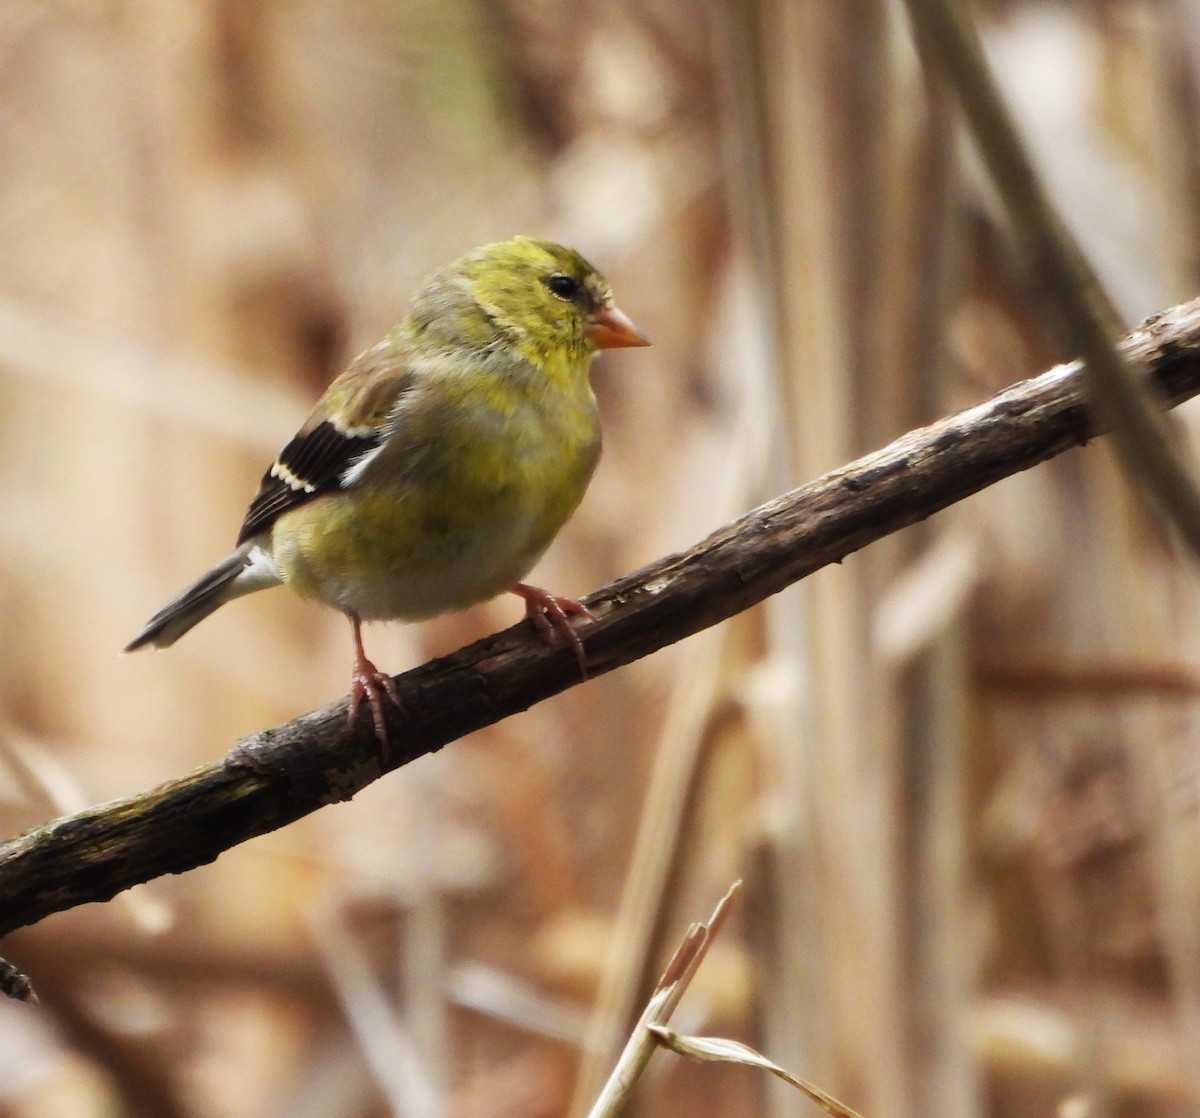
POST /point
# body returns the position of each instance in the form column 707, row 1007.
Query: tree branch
column 281, row 774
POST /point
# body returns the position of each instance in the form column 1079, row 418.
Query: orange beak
column 609, row 327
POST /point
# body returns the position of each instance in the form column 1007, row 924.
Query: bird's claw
column 369, row 683
column 552, row 613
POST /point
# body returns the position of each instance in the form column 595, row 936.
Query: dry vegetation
column 958, row 773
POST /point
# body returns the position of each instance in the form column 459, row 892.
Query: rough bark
column 283, row 773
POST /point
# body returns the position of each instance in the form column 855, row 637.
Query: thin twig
column 15, row 984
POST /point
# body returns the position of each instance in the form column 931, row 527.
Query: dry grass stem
column 710, row 1049
column 1078, row 311
column 614, row 1095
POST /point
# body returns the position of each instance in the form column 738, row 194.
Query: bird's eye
column 564, row 286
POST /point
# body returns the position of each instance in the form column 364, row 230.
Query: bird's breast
column 461, row 515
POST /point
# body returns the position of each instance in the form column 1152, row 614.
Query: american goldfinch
column 435, row 471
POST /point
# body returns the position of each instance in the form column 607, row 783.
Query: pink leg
column 552, row 613
column 370, row 683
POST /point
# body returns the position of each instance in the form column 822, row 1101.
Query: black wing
column 313, row 463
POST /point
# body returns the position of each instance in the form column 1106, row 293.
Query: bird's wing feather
column 350, row 420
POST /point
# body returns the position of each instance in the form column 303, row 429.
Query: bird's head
column 542, row 298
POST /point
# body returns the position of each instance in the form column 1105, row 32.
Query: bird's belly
column 408, row 553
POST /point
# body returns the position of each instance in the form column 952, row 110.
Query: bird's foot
column 369, row 683
column 551, row 614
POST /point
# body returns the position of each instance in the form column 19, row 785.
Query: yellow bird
column 436, row 470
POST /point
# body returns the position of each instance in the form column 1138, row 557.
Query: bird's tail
column 248, row 569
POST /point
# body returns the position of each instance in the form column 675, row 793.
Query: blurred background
column 959, row 773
